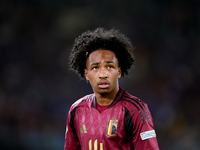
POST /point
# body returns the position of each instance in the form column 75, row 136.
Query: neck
column 106, row 98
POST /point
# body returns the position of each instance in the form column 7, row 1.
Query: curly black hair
column 101, row 38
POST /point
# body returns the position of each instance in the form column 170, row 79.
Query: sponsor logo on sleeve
column 148, row 134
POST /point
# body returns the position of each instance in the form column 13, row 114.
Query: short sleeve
column 140, row 128
column 71, row 138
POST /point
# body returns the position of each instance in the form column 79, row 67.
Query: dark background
column 37, row 89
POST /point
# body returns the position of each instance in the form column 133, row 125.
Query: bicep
column 141, row 133
column 71, row 138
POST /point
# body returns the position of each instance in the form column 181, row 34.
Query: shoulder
column 135, row 107
column 130, row 100
column 84, row 101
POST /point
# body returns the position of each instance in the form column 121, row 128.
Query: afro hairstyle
column 101, row 38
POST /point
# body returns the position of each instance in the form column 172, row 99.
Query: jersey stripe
column 94, row 102
column 117, row 98
column 139, row 102
column 73, row 112
column 137, row 109
column 128, row 123
column 134, row 101
column 87, row 98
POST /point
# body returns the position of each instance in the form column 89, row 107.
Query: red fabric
column 101, row 108
column 88, row 128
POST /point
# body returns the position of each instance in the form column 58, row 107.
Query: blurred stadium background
column 37, row 89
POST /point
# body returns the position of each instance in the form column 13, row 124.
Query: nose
column 103, row 73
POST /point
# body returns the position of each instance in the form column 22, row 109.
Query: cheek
column 115, row 76
column 91, row 77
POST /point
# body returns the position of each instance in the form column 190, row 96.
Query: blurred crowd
column 37, row 88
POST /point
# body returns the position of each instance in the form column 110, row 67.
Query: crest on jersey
column 111, row 127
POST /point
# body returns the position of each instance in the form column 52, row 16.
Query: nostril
column 103, row 75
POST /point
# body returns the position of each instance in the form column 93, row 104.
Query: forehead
column 102, row 55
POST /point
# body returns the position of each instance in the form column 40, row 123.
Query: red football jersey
column 125, row 125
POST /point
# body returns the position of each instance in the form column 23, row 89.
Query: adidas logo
column 83, row 129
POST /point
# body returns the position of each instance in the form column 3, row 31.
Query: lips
column 103, row 84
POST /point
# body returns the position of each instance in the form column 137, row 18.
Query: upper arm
column 139, row 128
column 71, row 137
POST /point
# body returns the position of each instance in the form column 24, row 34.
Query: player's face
column 103, row 71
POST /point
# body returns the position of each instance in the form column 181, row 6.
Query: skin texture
column 103, row 71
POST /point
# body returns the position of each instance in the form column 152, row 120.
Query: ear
column 119, row 72
column 86, row 74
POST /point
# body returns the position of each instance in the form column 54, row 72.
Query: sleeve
column 140, row 128
column 71, row 137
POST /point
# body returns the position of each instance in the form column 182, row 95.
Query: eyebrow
column 109, row 62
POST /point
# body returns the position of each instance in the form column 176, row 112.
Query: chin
column 103, row 91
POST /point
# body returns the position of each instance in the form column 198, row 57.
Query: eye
column 110, row 66
column 94, row 68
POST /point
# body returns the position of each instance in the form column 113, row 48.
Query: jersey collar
column 117, row 99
